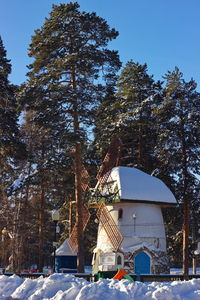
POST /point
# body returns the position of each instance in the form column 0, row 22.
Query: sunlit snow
column 68, row 287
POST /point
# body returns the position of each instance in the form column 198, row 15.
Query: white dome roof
column 64, row 250
column 136, row 185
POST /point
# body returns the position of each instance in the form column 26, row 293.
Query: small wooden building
column 65, row 260
column 131, row 233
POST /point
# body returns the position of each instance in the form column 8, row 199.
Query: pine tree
column 11, row 147
column 129, row 114
column 9, row 133
column 178, row 140
column 71, row 63
column 42, row 184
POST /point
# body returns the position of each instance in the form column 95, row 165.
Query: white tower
column 133, row 201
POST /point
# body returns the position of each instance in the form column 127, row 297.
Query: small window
column 120, row 213
column 119, row 260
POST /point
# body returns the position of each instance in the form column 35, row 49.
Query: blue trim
column 142, row 263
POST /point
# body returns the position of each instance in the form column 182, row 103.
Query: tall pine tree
column 178, row 145
column 129, row 114
column 66, row 79
column 9, row 131
column 11, row 146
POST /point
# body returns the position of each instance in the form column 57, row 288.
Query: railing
column 88, row 277
column 96, row 277
column 147, row 277
column 28, row 275
column 160, row 278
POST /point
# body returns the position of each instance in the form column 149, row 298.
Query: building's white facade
column 137, row 214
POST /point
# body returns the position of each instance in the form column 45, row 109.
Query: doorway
column 142, row 263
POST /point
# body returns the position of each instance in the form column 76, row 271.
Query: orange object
column 120, row 274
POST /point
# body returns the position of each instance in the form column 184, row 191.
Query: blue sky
column 162, row 33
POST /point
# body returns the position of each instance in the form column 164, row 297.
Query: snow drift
column 68, row 287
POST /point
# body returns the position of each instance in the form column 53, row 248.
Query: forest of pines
column 76, row 99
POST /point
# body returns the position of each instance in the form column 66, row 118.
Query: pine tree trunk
column 41, row 229
column 70, row 216
column 185, row 238
column 78, row 189
column 185, row 209
column 79, row 205
column 140, row 143
column 18, row 238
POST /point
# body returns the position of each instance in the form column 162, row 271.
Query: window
column 120, row 213
column 119, row 260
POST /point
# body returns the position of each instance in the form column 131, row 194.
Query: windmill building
column 131, row 233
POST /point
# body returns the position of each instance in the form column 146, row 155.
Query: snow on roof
column 141, row 245
column 136, row 185
column 64, row 250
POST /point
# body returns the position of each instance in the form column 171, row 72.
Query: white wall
column 146, row 227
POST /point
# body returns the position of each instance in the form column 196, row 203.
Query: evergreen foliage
column 10, row 145
column 129, row 114
column 71, row 69
column 178, row 143
column 69, row 43
column 73, row 75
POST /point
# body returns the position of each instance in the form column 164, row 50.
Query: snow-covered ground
column 180, row 271
column 68, row 287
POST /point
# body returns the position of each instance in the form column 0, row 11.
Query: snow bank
column 68, row 287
